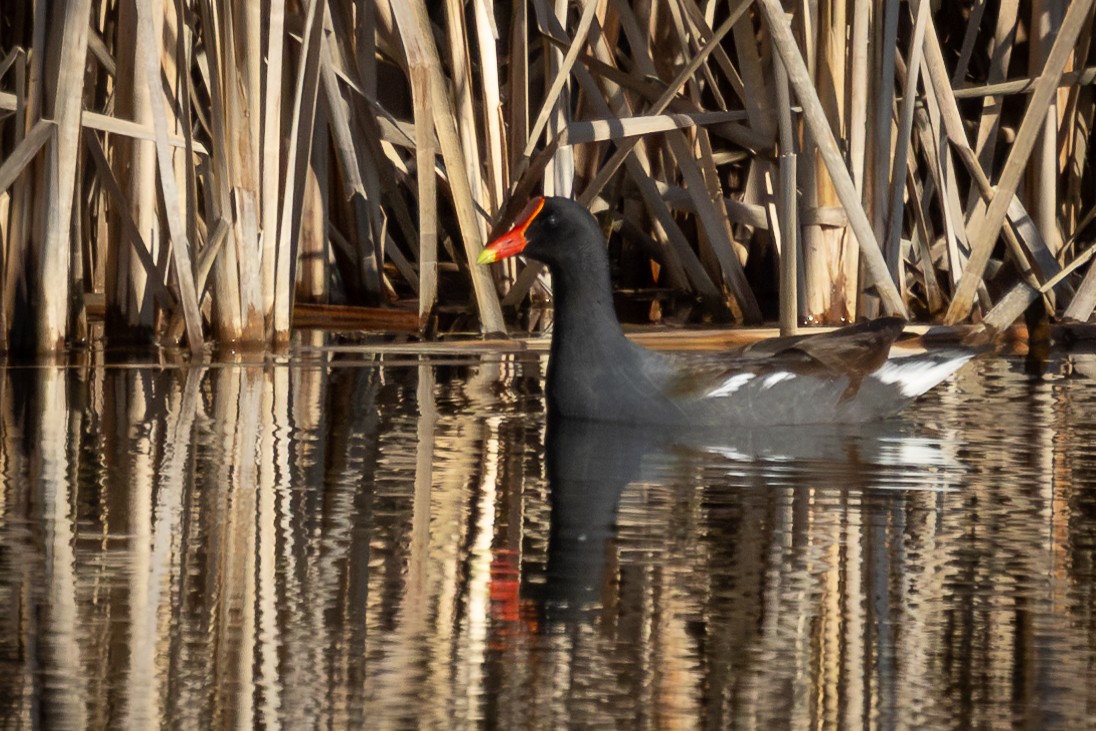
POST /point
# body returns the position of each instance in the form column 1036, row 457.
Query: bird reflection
column 590, row 464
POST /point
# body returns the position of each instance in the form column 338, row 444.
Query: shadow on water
column 407, row 543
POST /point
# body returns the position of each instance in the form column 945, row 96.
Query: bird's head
column 551, row 230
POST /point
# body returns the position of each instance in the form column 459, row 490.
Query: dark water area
column 349, row 540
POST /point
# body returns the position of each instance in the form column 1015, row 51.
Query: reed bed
column 193, row 169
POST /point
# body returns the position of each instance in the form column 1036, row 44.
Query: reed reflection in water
column 407, row 543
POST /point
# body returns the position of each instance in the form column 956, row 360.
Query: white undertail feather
column 914, row 375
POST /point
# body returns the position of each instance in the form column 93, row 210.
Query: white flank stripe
column 914, row 376
column 732, row 384
column 774, row 378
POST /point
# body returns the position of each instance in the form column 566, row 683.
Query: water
column 387, row 542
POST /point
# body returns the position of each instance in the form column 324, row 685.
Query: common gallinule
column 596, row 372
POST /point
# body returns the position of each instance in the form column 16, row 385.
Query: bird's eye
column 553, row 219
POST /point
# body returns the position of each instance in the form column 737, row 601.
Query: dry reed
column 200, row 166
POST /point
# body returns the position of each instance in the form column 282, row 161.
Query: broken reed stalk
column 64, row 89
column 788, row 212
column 156, row 156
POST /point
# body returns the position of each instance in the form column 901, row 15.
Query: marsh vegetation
column 192, row 171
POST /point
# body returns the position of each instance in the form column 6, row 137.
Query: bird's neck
column 584, row 318
column 595, row 372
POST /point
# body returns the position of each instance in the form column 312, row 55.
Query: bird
column 596, row 372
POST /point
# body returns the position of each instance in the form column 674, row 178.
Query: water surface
column 405, row 542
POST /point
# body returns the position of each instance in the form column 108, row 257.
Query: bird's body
column 596, row 372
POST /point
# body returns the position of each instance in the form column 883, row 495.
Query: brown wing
column 851, row 352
